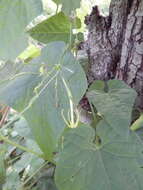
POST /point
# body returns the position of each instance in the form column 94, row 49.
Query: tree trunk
column 115, row 45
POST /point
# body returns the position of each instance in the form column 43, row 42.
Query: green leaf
column 68, row 5
column 45, row 104
column 57, row 54
column 80, row 37
column 98, row 85
column 107, row 134
column 28, row 160
column 46, row 111
column 15, row 15
column 85, row 165
column 55, row 28
column 30, row 53
column 115, row 105
column 7, row 70
column 46, row 183
column 57, row 1
column 22, row 128
column 13, row 180
column 14, row 86
column 18, row 91
column 76, row 23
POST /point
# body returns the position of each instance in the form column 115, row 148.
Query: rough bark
column 115, row 44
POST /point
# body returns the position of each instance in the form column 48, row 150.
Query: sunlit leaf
column 55, row 28
column 30, row 53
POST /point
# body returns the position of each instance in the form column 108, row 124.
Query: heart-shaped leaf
column 42, row 97
column 108, row 166
column 115, row 105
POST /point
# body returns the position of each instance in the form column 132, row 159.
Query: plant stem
column 5, row 139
